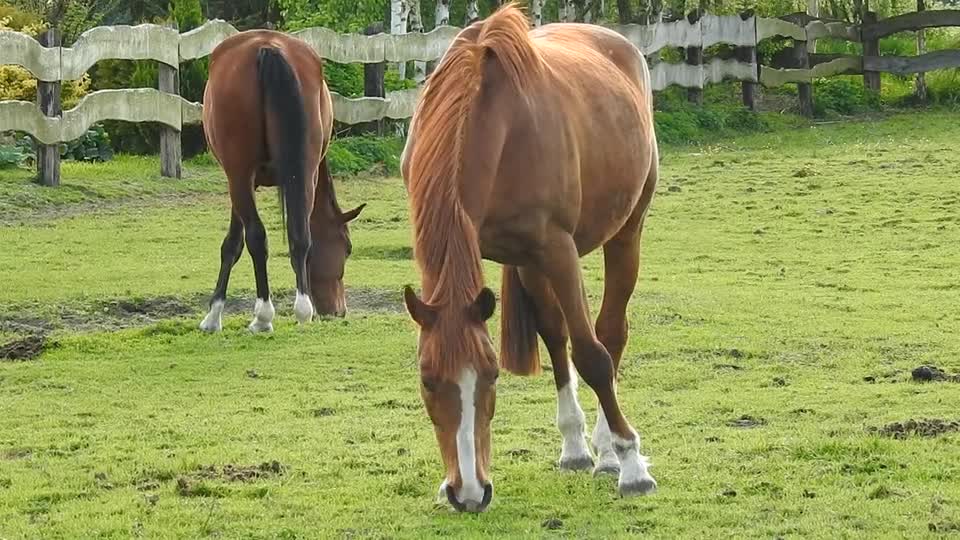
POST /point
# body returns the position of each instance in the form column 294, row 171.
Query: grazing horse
column 531, row 149
column 268, row 118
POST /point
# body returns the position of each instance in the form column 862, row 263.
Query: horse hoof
column 303, row 308
column 258, row 327
column 211, row 324
column 644, row 486
column 607, row 467
column 581, row 463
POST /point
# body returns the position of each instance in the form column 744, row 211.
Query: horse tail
column 286, row 134
column 519, row 349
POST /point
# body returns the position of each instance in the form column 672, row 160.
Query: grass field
column 790, row 283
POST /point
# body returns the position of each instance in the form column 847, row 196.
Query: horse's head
column 329, row 250
column 458, row 376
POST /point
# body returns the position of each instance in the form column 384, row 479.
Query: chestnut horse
column 268, row 118
column 531, row 149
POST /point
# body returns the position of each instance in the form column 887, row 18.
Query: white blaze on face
column 470, row 490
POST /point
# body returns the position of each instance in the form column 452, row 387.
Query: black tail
column 286, row 134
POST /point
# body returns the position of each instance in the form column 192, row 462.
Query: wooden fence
column 51, row 64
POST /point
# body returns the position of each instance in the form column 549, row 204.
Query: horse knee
column 613, row 335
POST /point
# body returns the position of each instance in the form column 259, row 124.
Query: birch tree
column 442, row 13
column 473, row 12
column 398, row 25
column 536, row 10
column 416, row 26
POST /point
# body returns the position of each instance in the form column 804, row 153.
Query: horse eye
column 429, row 384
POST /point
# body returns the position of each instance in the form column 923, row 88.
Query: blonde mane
column 447, row 249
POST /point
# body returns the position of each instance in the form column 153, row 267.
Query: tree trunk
column 624, row 11
column 813, row 9
column 536, row 9
column 416, row 26
column 564, row 7
column 442, row 13
column 921, row 89
column 473, row 12
column 398, row 25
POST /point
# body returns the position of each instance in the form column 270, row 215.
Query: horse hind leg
column 230, row 251
column 571, row 422
column 255, row 234
column 298, row 232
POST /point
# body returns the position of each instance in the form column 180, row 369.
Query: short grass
column 790, row 283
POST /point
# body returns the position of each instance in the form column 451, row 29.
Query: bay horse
column 530, row 149
column 268, row 119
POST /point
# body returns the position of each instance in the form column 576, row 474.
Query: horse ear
column 420, row 312
column 483, row 306
column 351, row 215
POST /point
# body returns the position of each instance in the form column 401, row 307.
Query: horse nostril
column 452, row 499
column 487, row 496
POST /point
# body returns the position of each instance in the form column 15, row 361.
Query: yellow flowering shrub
column 17, row 83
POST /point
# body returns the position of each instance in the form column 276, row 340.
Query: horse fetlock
column 263, row 313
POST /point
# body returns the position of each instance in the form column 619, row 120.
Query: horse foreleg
column 595, row 364
column 230, row 251
column 571, row 422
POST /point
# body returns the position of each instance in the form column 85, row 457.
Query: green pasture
column 791, row 282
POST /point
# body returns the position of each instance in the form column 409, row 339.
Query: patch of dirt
column 931, row 374
column 552, row 524
column 927, row 427
column 323, row 411
column 236, row 473
column 26, row 348
column 15, row 453
column 121, row 313
column 520, row 454
column 746, row 421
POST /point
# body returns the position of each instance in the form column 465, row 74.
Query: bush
column 685, row 123
column 365, row 154
column 94, row 145
column 842, row 96
column 13, row 156
column 18, row 83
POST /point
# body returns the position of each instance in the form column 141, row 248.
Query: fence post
column 170, row 149
column 694, row 57
column 48, row 99
column 804, row 90
column 871, row 47
column 921, row 89
column 749, row 55
column 373, row 85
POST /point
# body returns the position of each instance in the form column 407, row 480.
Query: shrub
column 94, row 145
column 365, row 154
column 842, row 96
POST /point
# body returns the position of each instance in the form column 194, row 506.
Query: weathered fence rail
column 52, row 64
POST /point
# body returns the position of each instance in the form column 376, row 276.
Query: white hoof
column 635, row 478
column 213, row 321
column 303, row 308
column 263, row 313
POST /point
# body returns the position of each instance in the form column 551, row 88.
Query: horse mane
column 447, row 248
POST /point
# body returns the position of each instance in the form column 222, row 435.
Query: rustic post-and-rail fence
column 51, row 63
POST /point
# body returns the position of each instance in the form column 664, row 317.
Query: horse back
column 233, row 112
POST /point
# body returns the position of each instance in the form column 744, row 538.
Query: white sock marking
column 303, row 308
column 572, row 423
column 470, row 491
column 213, row 321
column 263, row 313
column 603, row 442
column 633, row 466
